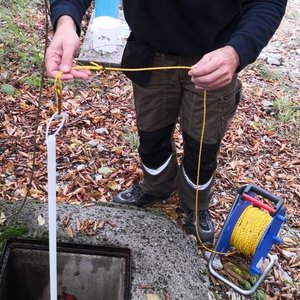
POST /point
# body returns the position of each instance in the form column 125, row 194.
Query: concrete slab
column 88, row 54
column 165, row 261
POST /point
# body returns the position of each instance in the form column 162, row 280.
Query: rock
column 271, row 58
column 273, row 61
column 234, row 296
column 98, row 177
column 217, row 264
column 102, row 130
column 288, row 254
column 100, row 148
column 207, row 255
column 285, row 276
column 80, row 168
column 92, row 143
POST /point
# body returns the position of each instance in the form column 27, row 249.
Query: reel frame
column 245, row 197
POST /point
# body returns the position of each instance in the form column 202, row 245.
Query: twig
column 36, row 119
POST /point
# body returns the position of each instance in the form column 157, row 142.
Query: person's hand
column 216, row 69
column 62, row 50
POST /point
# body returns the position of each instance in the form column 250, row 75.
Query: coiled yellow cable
column 249, row 230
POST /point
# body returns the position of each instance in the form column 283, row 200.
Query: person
column 217, row 39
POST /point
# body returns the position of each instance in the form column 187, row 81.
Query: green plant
column 17, row 26
column 35, row 57
column 7, row 89
column 44, row 236
column 131, row 137
column 7, row 232
column 287, row 110
column 34, row 80
column 286, row 117
column 267, row 73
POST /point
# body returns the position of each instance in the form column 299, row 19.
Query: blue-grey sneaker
column 205, row 225
column 136, row 196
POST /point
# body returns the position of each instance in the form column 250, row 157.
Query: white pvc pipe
column 51, row 164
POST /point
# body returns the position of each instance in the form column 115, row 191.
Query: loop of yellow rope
column 58, row 84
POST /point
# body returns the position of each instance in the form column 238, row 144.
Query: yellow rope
column 250, row 229
column 198, row 179
column 199, row 168
column 97, row 67
column 58, row 84
column 252, row 223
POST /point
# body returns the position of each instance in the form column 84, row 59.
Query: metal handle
column 235, row 287
column 261, row 192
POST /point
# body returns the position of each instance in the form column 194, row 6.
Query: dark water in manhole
column 83, row 272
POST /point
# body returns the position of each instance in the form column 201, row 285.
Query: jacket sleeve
column 73, row 8
column 258, row 23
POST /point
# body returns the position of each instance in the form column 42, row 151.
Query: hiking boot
column 205, row 225
column 136, row 196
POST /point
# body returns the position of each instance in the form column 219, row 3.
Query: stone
column 275, row 257
column 288, row 254
column 102, row 130
column 163, row 256
column 92, row 143
column 273, row 61
column 100, row 148
column 285, row 276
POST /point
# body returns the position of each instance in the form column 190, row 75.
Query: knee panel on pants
column 208, row 159
column 156, row 146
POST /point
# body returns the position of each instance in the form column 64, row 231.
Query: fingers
column 213, row 79
column 81, row 74
column 60, row 55
column 52, row 61
column 69, row 49
column 216, row 69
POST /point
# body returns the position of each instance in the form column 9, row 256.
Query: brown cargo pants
column 169, row 97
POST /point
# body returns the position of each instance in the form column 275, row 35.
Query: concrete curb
column 165, row 261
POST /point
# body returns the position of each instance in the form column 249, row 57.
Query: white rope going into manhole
column 51, row 168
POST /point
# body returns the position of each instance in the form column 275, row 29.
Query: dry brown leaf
column 69, row 232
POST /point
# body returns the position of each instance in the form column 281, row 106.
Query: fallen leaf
column 113, row 186
column 66, row 220
column 2, row 218
column 8, row 89
column 105, row 170
column 41, row 220
column 70, row 232
column 153, row 297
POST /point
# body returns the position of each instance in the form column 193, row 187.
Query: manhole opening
column 83, row 271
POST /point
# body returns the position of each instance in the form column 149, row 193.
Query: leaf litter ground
column 97, row 152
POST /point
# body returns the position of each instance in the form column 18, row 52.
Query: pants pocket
column 228, row 107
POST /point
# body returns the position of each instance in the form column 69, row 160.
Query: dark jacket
column 193, row 26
